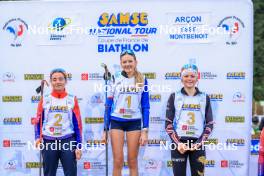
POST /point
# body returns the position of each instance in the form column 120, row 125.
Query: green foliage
column 258, row 84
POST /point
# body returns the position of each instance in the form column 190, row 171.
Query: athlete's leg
column 197, row 162
column 132, row 150
column 50, row 158
column 179, row 162
column 117, row 141
column 67, row 157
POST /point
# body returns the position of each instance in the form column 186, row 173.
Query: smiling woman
column 189, row 122
column 58, row 81
column 59, row 123
column 126, row 106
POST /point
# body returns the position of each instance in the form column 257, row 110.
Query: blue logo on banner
column 59, row 24
column 254, row 147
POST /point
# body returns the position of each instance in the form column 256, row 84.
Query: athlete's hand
column 38, row 142
column 195, row 146
column 108, row 77
column 182, row 148
column 143, row 140
column 104, row 140
column 78, row 154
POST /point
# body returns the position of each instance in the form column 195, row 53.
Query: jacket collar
column 59, row 94
column 197, row 91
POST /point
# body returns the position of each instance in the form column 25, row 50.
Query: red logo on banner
column 199, row 75
column 224, row 163
column 184, row 127
column 87, row 165
column 84, row 76
column 6, row 143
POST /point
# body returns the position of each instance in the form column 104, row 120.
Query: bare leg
column 133, row 147
column 117, row 141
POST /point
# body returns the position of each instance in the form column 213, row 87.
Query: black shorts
column 126, row 126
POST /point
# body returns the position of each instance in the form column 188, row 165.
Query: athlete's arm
column 145, row 105
column 261, row 155
column 77, row 122
column 107, row 113
column 170, row 115
column 209, row 123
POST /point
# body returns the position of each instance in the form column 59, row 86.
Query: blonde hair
column 139, row 78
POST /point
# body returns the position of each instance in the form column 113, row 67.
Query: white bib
column 58, row 116
column 189, row 114
column 127, row 99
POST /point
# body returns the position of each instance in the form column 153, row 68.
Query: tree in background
column 258, row 84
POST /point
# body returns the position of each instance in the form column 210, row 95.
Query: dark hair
column 58, row 70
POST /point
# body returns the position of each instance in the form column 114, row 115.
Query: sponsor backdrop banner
column 78, row 36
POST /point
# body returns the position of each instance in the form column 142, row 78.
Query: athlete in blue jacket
column 127, row 107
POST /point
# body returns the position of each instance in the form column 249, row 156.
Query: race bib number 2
column 56, row 129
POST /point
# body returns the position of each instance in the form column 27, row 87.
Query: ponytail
column 139, row 79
